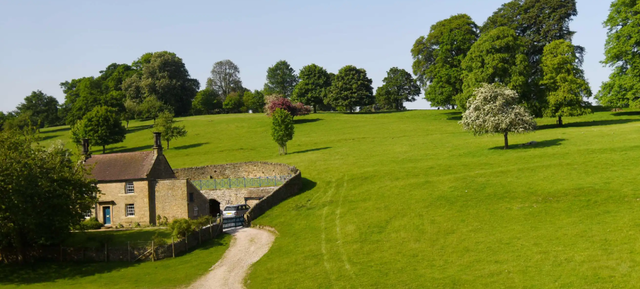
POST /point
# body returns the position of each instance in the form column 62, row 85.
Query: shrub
column 89, row 224
column 276, row 101
column 202, row 221
column 181, row 227
column 302, row 109
column 158, row 240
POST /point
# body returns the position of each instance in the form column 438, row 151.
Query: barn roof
column 121, row 166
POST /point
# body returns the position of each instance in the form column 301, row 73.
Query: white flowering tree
column 494, row 109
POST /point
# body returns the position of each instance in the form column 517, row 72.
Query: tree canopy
column 43, row 192
column 313, row 87
column 207, row 101
column 497, row 57
column 437, row 58
column 225, row 78
column 538, row 23
column 102, row 126
column 164, row 76
column 621, row 54
column 254, row 101
column 350, row 88
column 281, row 79
column 564, row 81
column 494, row 109
column 44, row 108
column 399, row 87
column 233, row 103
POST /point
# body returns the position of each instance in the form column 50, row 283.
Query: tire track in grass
column 343, row 254
column 325, row 257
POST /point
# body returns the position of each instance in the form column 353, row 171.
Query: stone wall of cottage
column 171, row 199
column 113, row 195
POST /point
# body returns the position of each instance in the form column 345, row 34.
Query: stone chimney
column 157, row 143
column 86, row 153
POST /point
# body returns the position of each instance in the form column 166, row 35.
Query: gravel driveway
column 247, row 247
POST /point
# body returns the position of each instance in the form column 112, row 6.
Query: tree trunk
column 104, row 149
column 167, row 144
column 506, row 141
column 315, row 108
column 127, row 124
column 560, row 120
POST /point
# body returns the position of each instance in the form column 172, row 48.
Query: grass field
column 409, row 200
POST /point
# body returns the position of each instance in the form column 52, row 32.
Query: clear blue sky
column 45, row 43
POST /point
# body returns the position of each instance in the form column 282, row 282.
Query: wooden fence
column 132, row 252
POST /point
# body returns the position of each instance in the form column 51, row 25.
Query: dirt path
column 247, row 247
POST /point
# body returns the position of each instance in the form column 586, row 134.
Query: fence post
column 153, row 252
column 128, row 251
column 173, row 247
column 211, row 229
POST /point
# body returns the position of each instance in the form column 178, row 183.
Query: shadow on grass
column 190, row 146
column 41, row 272
column 538, row 145
column 139, row 128
column 588, row 123
column 60, row 129
column 626, row 113
column 46, row 137
column 454, row 115
column 307, row 120
column 310, row 150
column 378, row 112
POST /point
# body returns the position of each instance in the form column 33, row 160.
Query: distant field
column 409, row 200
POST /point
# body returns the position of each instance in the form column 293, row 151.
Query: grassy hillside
column 409, row 200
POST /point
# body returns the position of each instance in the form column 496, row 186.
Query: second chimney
column 157, row 143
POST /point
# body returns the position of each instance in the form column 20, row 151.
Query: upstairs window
column 130, row 210
column 129, row 189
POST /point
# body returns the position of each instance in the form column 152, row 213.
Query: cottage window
column 129, row 189
column 130, row 210
column 190, row 197
column 195, row 211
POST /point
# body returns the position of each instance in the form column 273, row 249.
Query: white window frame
column 129, row 188
column 130, row 213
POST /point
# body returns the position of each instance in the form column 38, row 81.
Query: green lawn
column 116, row 237
column 409, row 200
column 167, row 273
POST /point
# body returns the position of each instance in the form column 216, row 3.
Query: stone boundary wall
column 137, row 251
column 289, row 189
column 236, row 170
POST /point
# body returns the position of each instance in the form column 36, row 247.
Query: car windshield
column 230, row 208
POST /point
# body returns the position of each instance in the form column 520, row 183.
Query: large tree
column 206, row 102
column 165, row 77
column 437, row 58
column 233, row 103
column 313, row 86
column 621, row 54
column 494, row 109
column 102, row 126
column 538, row 23
column 254, row 101
column 225, row 78
column 350, row 88
column 497, row 57
column 44, row 108
column 564, row 81
column 399, row 87
column 43, row 192
column 281, row 79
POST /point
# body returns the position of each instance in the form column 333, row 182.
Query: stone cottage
column 137, row 187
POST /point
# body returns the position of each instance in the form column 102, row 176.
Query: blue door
column 106, row 212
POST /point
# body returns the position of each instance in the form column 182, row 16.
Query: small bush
column 158, row 241
column 89, row 224
column 181, row 227
column 280, row 102
column 302, row 109
column 136, row 225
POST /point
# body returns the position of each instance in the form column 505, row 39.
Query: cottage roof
column 121, row 166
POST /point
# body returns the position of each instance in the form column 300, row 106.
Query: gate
column 233, row 222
